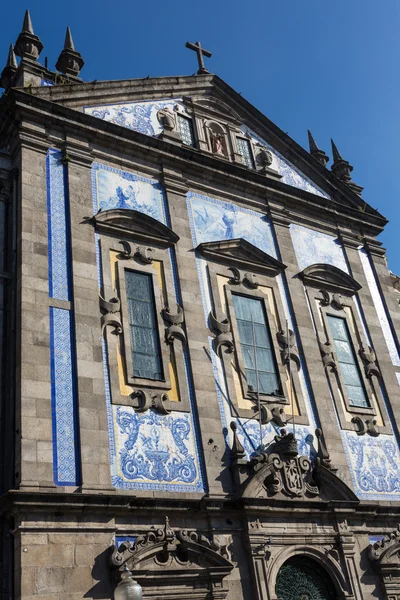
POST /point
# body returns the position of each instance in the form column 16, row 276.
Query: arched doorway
column 301, row 578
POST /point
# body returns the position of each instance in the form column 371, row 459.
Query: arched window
column 303, row 579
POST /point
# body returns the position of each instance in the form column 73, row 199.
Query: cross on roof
column 200, row 53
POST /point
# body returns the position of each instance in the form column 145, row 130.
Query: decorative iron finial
column 28, row 45
column 342, row 169
column 237, row 449
column 200, row 53
column 70, row 62
column 7, row 75
column 316, row 152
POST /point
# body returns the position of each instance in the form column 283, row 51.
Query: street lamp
column 128, row 588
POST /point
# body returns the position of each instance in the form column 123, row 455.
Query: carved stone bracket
column 146, row 400
column 111, row 310
column 220, row 325
column 289, row 351
column 175, row 329
column 327, row 355
column 369, row 360
column 334, row 300
column 366, row 426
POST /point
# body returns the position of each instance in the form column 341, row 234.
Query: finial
column 28, row 45
column 9, row 70
column 318, row 154
column 323, row 457
column 237, row 449
column 342, row 169
column 27, row 24
column 69, row 42
column 70, row 62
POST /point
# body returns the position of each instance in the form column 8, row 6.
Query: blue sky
column 332, row 67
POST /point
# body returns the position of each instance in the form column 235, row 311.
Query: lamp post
column 128, row 588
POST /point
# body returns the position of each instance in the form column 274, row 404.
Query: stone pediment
column 213, row 108
column 123, row 222
column 241, row 254
column 164, row 557
column 328, row 277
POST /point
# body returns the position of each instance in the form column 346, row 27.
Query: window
column 185, row 126
column 245, row 150
column 348, row 362
column 145, row 342
column 256, row 345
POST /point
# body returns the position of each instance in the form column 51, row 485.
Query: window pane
column 245, row 151
column 185, row 127
column 145, row 342
column 348, row 362
column 250, row 313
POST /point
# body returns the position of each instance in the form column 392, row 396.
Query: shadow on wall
column 104, row 588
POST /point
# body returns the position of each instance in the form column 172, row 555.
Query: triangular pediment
column 135, row 104
column 328, row 277
column 135, row 225
column 241, row 254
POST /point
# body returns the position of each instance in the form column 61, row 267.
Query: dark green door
column 303, row 579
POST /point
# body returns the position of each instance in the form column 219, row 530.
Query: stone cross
column 200, row 53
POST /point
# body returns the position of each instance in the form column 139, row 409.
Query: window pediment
column 126, row 222
column 241, row 254
column 328, row 277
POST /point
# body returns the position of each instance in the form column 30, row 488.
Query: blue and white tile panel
column 148, row 451
column 290, row 174
column 63, row 388
column 66, row 462
column 379, row 307
column 211, row 220
column 142, row 117
column 374, row 462
column 138, row 116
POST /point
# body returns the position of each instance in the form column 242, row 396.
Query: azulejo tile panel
column 289, row 173
column 62, row 341
column 63, row 377
column 313, row 247
column 379, row 307
column 154, row 450
column 138, row 116
column 148, row 451
column 375, row 463
column 58, row 229
column 210, row 220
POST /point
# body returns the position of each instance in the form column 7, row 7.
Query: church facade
column 200, row 358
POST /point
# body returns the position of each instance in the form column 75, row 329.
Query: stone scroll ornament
column 369, row 359
column 248, row 279
column 289, row 351
column 219, row 324
column 144, row 400
column 140, row 253
column 327, row 355
column 175, row 325
column 365, row 426
column 111, row 314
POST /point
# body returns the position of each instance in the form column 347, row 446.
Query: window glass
column 185, row 127
column 245, row 151
column 145, row 343
column 256, row 345
column 347, row 361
